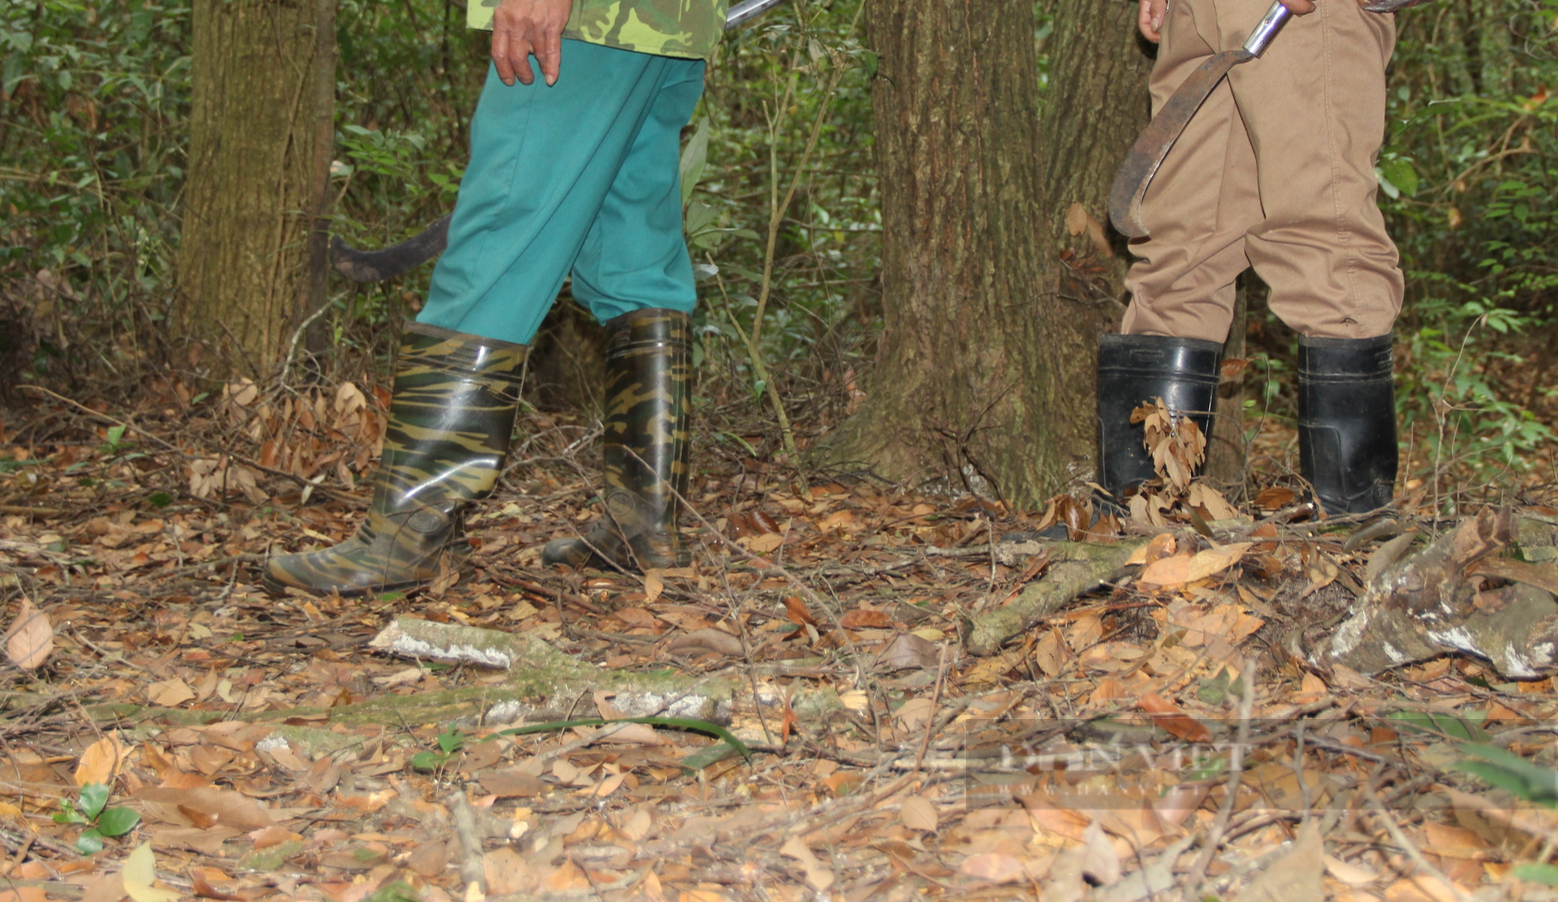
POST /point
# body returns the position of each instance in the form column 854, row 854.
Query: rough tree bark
column 984, row 371
column 253, row 257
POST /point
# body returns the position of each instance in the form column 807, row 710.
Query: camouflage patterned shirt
column 685, row 28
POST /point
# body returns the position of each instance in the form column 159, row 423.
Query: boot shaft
column 450, row 419
column 1347, row 421
column 648, row 386
column 1138, row 369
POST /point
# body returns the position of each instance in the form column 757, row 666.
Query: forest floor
column 1147, row 741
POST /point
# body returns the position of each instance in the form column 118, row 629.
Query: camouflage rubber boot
column 448, row 432
column 648, row 374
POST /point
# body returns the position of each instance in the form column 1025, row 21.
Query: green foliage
column 92, row 146
column 802, row 69
column 1505, row 770
column 1469, row 176
column 1502, row 769
column 1465, row 727
column 100, row 824
column 450, row 741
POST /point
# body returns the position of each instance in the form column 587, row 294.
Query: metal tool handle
column 1270, row 24
column 748, row 9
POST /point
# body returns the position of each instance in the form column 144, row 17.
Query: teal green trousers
column 578, row 178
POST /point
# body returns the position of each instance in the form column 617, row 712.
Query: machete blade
column 1152, row 146
column 1130, row 183
column 377, row 266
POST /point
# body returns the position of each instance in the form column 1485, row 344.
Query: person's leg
column 1202, row 201
column 447, row 433
column 1315, row 107
column 1347, row 422
column 1182, row 286
column 543, row 161
column 635, row 275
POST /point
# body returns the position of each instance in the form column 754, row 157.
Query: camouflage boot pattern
column 448, row 432
column 648, row 375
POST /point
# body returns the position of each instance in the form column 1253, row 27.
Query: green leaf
column 68, row 814
column 679, row 723
column 90, row 842
column 1401, row 174
column 1546, row 874
column 695, row 156
column 1506, row 770
column 1450, row 726
column 160, row 499
column 451, row 740
column 93, row 797
column 714, row 754
column 428, row 760
column 118, row 821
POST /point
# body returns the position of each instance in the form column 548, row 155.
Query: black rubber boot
column 1347, row 422
column 648, row 382
column 1137, row 369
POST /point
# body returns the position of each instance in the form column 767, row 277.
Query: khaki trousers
column 1275, row 171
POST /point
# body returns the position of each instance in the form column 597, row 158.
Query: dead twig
column 1214, row 839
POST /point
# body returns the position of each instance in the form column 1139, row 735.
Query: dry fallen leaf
column 908, row 652
column 100, row 762
column 919, row 814
column 707, row 640
column 140, row 871
column 507, row 872
column 818, row 877
column 31, row 637
column 1295, row 877
column 170, row 693
column 1169, row 571
column 995, row 867
column 1171, row 718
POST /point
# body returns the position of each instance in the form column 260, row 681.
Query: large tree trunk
column 1096, row 104
column 253, row 256
column 983, row 376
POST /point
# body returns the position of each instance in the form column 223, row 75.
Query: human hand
column 524, row 27
column 1299, row 7
column 1150, row 19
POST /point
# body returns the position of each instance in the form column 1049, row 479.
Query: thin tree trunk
column 251, row 255
column 1226, row 454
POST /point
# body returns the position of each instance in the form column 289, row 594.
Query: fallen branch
column 1081, row 568
column 540, row 673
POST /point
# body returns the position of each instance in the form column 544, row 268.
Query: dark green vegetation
column 92, row 157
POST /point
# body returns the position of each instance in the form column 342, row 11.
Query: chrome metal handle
column 1270, row 24
column 748, row 9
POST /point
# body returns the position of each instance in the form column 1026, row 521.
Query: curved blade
column 377, row 266
column 1141, row 164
